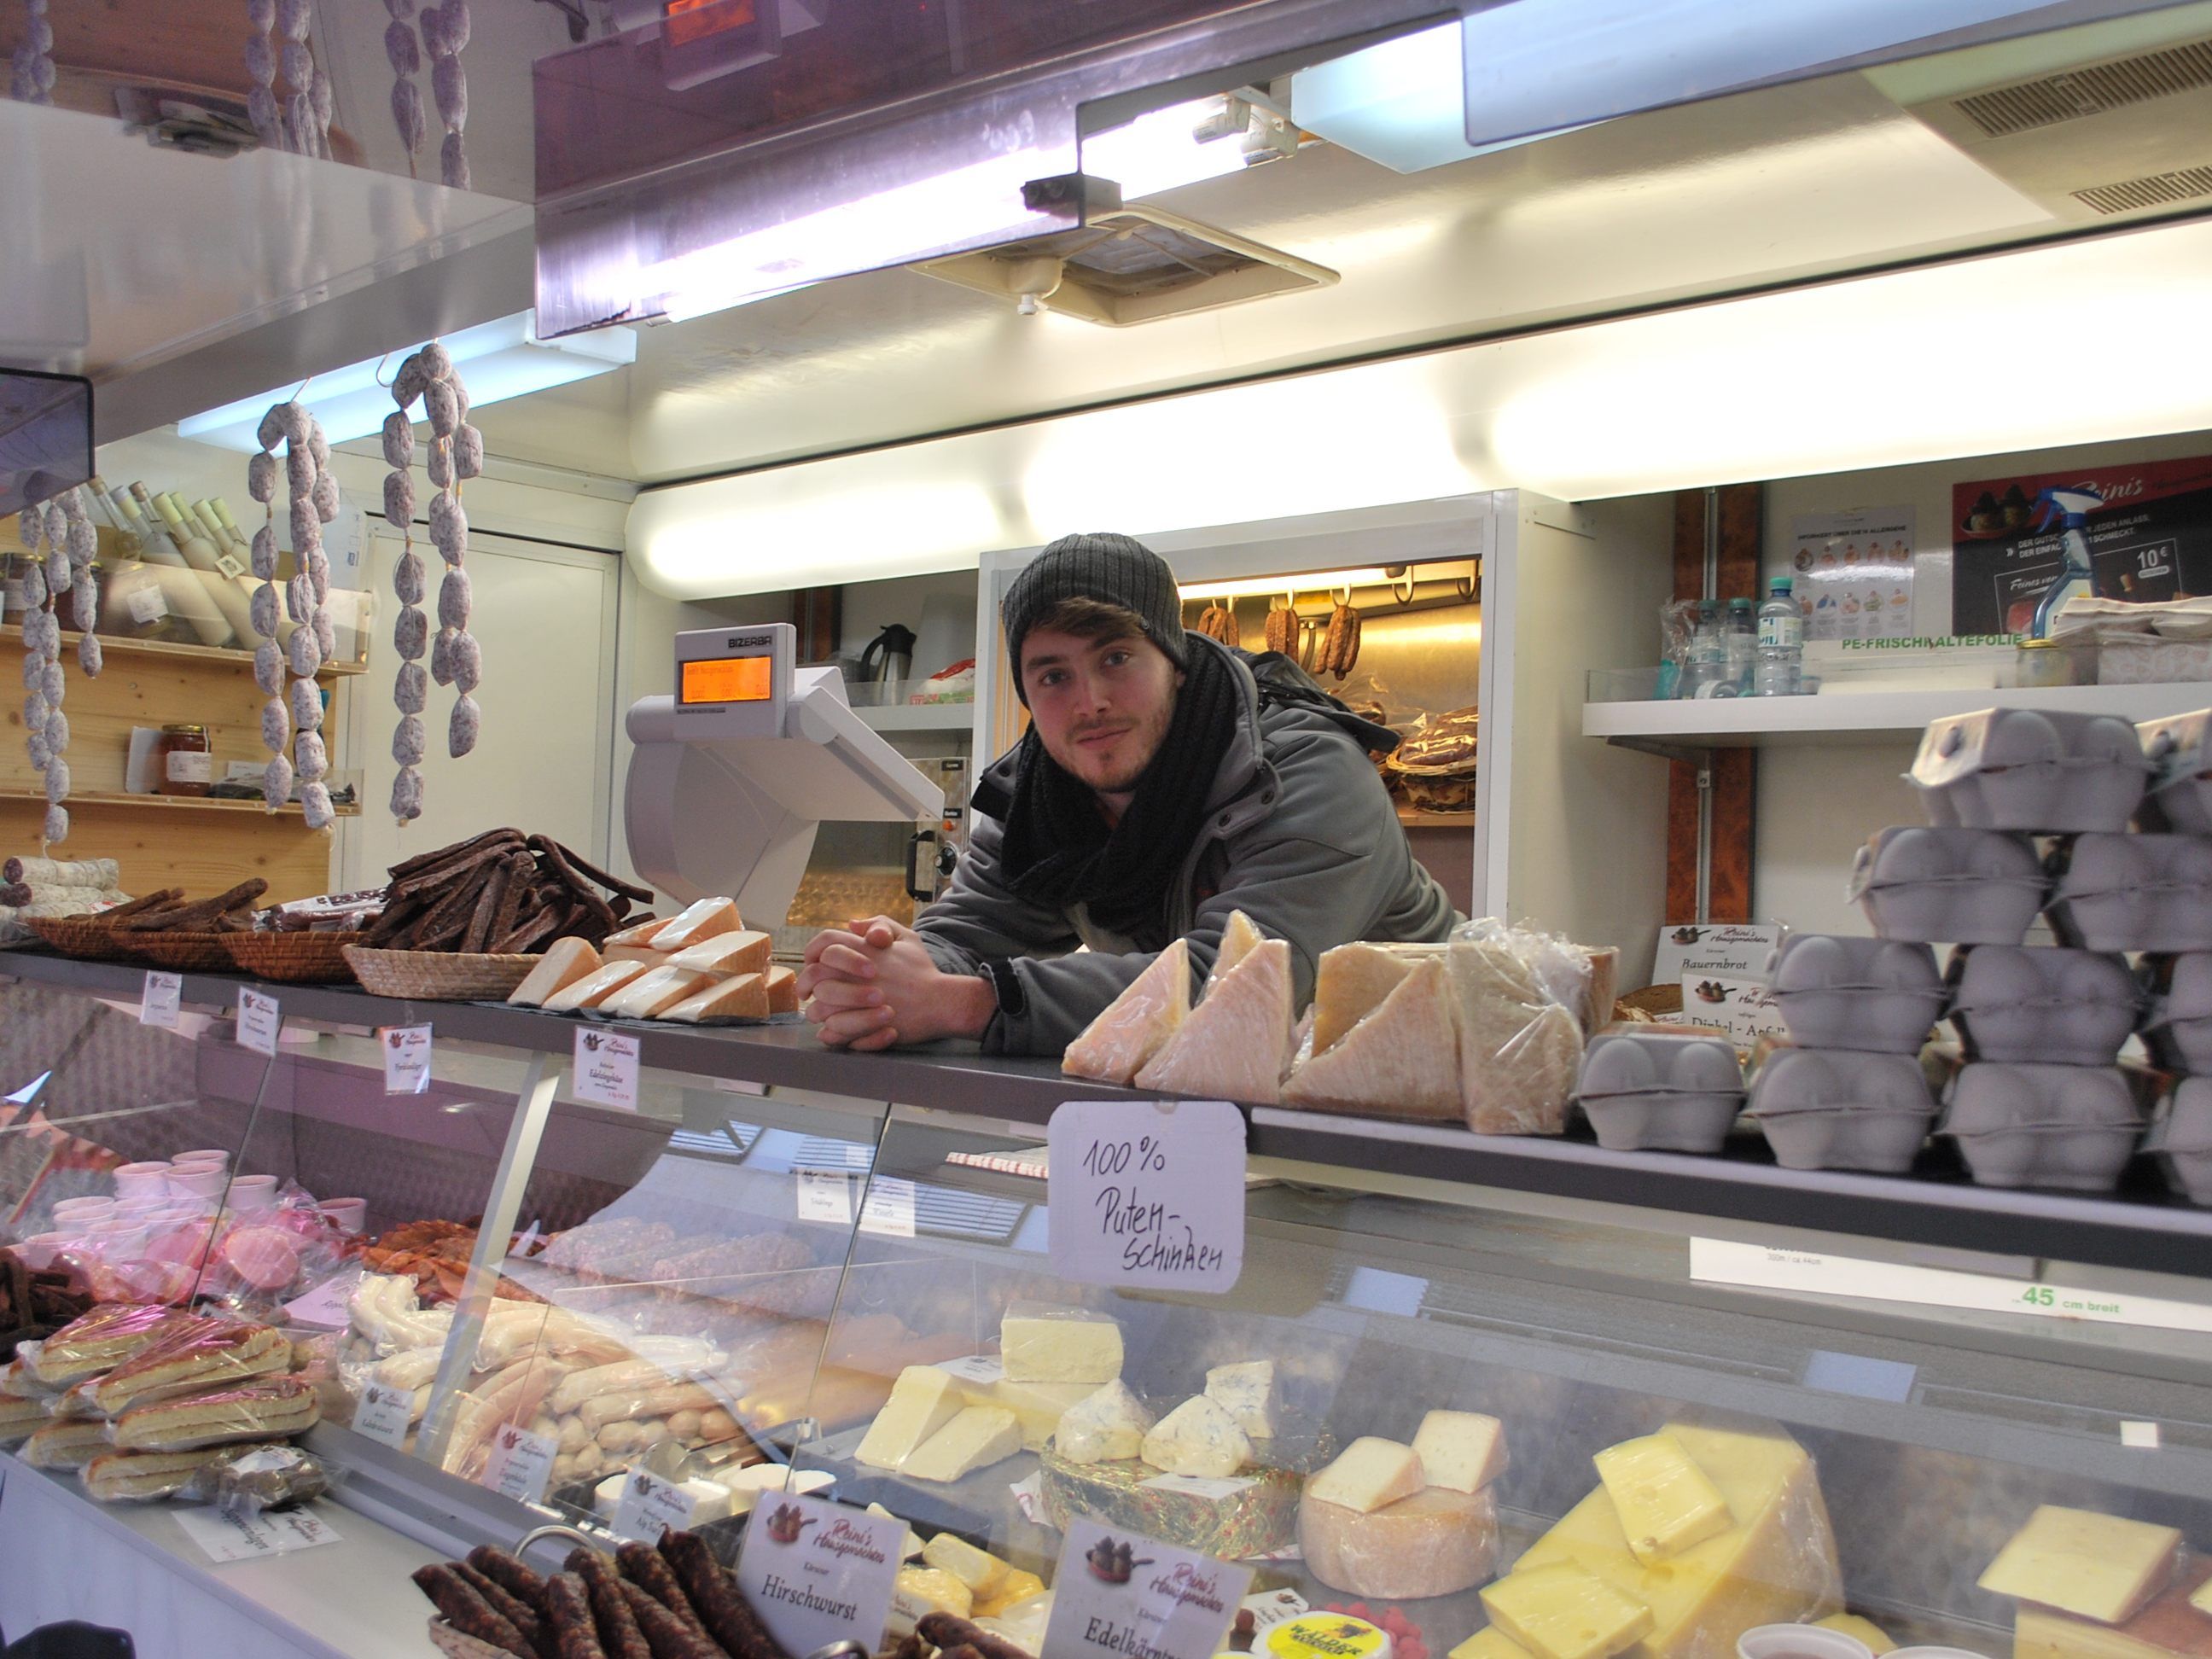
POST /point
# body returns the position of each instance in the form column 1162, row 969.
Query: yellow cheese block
column 1463, row 1450
column 1350, row 982
column 980, row 1571
column 920, row 1591
column 1016, row 1588
column 2201, row 1600
column 1775, row 1565
column 2175, row 1626
column 1665, row 1502
column 1862, row 1630
column 1562, row 1612
column 2100, row 1566
column 1437, row 1542
column 1368, row 1474
column 1490, row 1643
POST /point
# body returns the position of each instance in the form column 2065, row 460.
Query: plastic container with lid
column 2030, row 1005
column 1949, row 886
column 2177, row 1015
column 2030, row 770
column 1836, row 992
column 1842, row 1109
column 2118, row 892
column 184, row 761
column 2180, row 751
column 2180, row 1138
column 1649, row 1089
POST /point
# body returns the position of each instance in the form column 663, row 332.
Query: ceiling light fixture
column 502, row 359
column 1167, row 149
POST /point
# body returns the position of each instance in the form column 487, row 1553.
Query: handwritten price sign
column 1148, row 1194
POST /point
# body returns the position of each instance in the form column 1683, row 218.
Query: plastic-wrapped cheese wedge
column 652, row 992
column 565, row 962
column 1233, row 1045
column 782, row 991
column 1664, row 1500
column 698, row 921
column 2174, row 1624
column 1246, row 1390
column 1197, row 1438
column 1103, row 1427
column 1134, row 1026
column 1401, row 1061
column 1562, row 1612
column 1350, row 982
column 923, row 1401
column 594, row 987
column 743, row 997
column 978, row 1437
column 2097, row 1566
column 1237, row 939
column 739, row 950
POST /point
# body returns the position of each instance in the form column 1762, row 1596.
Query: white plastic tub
column 1654, row 1090
column 2028, row 769
column 1835, row 991
column 2134, row 893
column 1949, row 886
column 2042, row 1006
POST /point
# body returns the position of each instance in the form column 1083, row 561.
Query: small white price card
column 1119, row 1593
column 158, row 1005
column 650, row 1506
column 888, row 1207
column 825, row 1197
column 982, row 1368
column 605, row 1068
column 520, row 1463
column 406, row 1058
column 258, row 1022
column 1148, row 1194
column 818, row 1572
column 227, row 1536
column 383, row 1414
column 324, row 1306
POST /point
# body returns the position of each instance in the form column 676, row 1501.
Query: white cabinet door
column 545, row 618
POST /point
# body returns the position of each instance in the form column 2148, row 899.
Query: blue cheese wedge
column 1105, row 1427
column 1246, row 1392
column 1197, row 1438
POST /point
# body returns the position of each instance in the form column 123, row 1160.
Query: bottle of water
column 1742, row 646
column 1781, row 664
column 1708, row 664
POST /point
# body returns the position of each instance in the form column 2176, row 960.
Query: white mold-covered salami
column 260, row 60
column 261, row 611
column 299, row 601
column 33, row 670
column 57, row 779
column 318, row 445
column 326, row 634
column 270, row 432
column 399, row 500
column 90, row 657
column 84, row 595
column 400, row 50
column 268, row 666
column 450, row 88
column 310, row 760
column 294, row 19
column 299, row 65
column 264, row 554
column 305, row 654
column 407, row 795
column 455, row 16
column 442, row 657
column 36, row 708
column 50, row 682
column 58, row 568
column 407, row 578
column 398, row 440
column 454, row 599
column 318, row 572
column 261, row 15
column 57, row 733
column 277, row 783
column 468, row 450
column 295, row 422
column 261, row 476
column 461, row 731
column 409, row 741
column 325, row 495
column 465, row 658
column 410, row 689
column 34, row 585
column 407, row 384
column 410, row 633
column 268, row 121
column 454, row 163
column 439, row 463
column 304, row 698
column 276, row 726
column 57, row 824
column 437, row 362
column 432, row 23
column 299, row 470
column 315, row 806
column 83, row 543
column 36, row 743
column 449, row 525
column 443, row 409
column 407, row 115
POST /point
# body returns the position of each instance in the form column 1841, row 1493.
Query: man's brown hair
column 1086, row 618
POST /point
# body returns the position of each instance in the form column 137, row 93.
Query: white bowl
column 214, row 1155
column 142, row 1180
column 249, row 1192
column 1799, row 1641
column 204, row 1183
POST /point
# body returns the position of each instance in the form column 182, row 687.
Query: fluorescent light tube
column 1161, row 151
column 500, row 359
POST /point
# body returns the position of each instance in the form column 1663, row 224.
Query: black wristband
column 1006, row 985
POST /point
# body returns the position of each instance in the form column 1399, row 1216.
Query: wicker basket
column 458, row 1644
column 180, row 953
column 438, row 975
column 293, row 958
column 88, row 938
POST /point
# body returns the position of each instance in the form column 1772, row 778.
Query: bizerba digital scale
column 732, row 775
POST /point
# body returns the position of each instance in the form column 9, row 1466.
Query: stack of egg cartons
column 2176, row 1022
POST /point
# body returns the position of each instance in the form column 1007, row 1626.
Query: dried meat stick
column 468, row 1613
column 510, row 1573
column 618, row 1632
column 613, row 883
column 948, row 1631
column 422, row 861
column 489, row 897
column 645, row 1568
column 715, row 1593
column 669, row 1636
column 569, row 1610
column 510, row 1607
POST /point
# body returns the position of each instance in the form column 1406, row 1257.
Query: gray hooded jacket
column 1301, row 836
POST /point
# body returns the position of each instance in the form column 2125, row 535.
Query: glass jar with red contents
column 183, row 763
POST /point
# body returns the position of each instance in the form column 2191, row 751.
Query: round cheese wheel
column 1436, row 1542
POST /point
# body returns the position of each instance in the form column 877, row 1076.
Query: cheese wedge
column 923, row 1401
column 2099, row 1566
column 651, row 992
column 918, row 1591
column 1862, row 1630
column 1237, row 939
column 594, row 987
column 1016, row 1586
column 1665, row 1502
column 1519, row 1053
column 782, row 991
column 2174, row 1624
column 1037, row 1406
column 1464, row 1451
column 1197, row 1438
column 644, row 954
column 565, row 962
column 2201, row 1600
column 1103, row 1427
column 1368, row 1474
column 980, row 1570
column 739, row 950
column 1435, row 1543
column 1402, row 1059
column 978, row 1437
column 1350, row 982
column 1562, row 1612
column 1490, row 1643
column 1231, row 1046
column 1039, row 1343
column 1246, row 1392
column 700, row 920
column 913, row 1544
column 641, row 933
column 1134, row 1026
column 744, row 997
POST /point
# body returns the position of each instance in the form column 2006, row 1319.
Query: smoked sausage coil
column 569, row 1610
column 617, row 1626
column 669, row 1636
column 468, row 1612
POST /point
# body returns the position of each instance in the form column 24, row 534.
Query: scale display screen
column 727, row 679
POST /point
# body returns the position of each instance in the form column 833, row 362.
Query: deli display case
column 1487, row 1395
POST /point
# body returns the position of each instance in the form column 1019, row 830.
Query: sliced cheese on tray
column 1436, row 1542
column 1402, row 1059
column 565, row 962
column 1133, row 1027
column 1246, row 1392
column 923, row 1401
column 737, row 950
column 594, row 987
column 1665, row 1502
column 2100, row 1566
column 1564, row 1612
column 1197, row 1438
column 978, row 1437
column 743, row 997
column 1102, row 1427
column 1350, row 982
column 1462, row 1450
column 1368, row 1474
column 652, row 992
column 1233, row 1045
column 696, row 921
column 1040, row 1343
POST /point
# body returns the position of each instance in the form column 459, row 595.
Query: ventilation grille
column 2155, row 189
column 2082, row 92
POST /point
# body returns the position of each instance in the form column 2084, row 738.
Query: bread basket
column 437, row 976
column 88, row 938
column 458, row 1644
column 180, row 953
column 297, row 958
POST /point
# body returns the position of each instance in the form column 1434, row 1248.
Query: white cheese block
column 978, row 1437
column 653, row 992
column 1197, row 1438
column 697, row 922
column 1350, row 982
column 594, row 987
column 914, row 1545
column 1368, row 1474
column 1463, row 1450
column 1402, row 1059
column 1105, row 1427
column 1237, row 939
column 1038, row 1343
column 1038, row 1406
column 565, row 962
column 1246, row 1391
column 923, row 1401
column 1437, row 1542
column 2098, row 1566
column 1233, row 1045
column 739, row 950
column 1136, row 1024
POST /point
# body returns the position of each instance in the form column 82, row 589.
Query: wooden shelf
column 1413, row 819
column 1869, row 716
column 116, row 645
column 169, row 803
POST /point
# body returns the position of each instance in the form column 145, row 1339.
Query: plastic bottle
column 2072, row 508
column 1742, row 646
column 1781, row 664
column 1708, row 665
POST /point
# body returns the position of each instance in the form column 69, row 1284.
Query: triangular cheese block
column 565, row 962
column 1237, row 939
column 1133, row 1027
column 1233, row 1045
column 1349, row 984
column 1402, row 1059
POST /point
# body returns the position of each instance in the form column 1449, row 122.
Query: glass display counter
column 1455, row 1386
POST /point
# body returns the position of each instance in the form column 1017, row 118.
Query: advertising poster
column 2147, row 527
column 1854, row 572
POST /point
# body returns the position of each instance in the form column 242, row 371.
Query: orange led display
column 726, row 679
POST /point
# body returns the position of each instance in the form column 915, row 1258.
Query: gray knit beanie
column 1113, row 569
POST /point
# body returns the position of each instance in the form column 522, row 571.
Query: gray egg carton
column 1842, row 1108
column 1949, row 886
column 2028, row 770
column 2036, row 1005
column 1649, row 1091
column 2180, row 1138
column 2180, row 751
column 2070, row 1127
column 1836, row 992
column 2115, row 893
column 2177, row 1019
